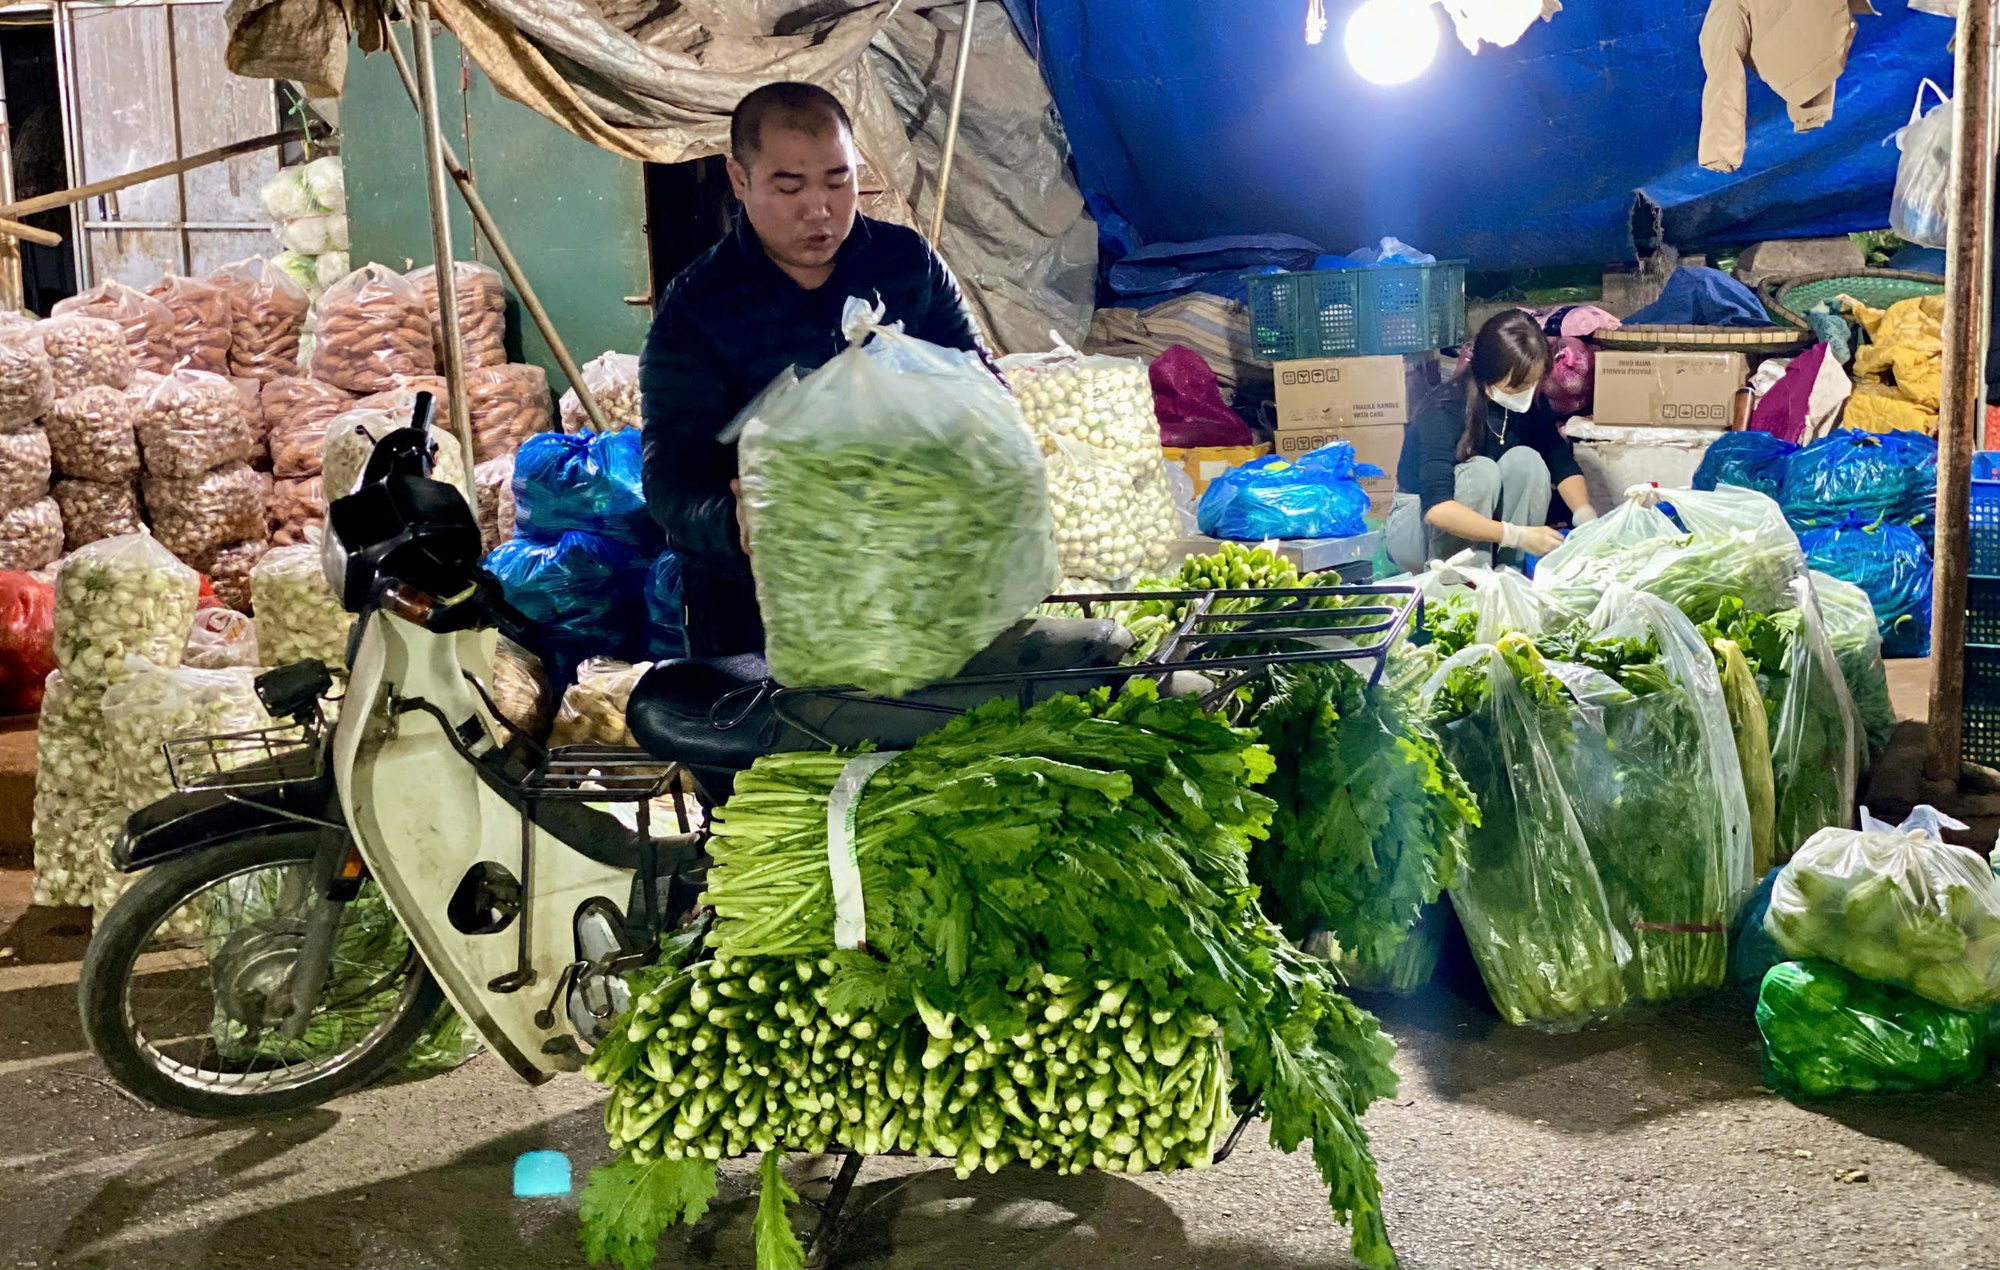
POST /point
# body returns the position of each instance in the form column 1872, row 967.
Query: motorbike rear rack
column 1355, row 623
column 247, row 761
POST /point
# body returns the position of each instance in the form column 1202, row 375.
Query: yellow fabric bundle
column 1899, row 373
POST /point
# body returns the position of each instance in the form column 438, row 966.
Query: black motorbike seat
column 698, row 711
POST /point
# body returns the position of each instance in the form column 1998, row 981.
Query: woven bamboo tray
column 1789, row 298
column 1705, row 339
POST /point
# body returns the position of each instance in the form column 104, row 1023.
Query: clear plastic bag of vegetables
column 1827, row 1031
column 1896, row 904
column 1529, row 894
column 1857, row 645
column 898, row 510
column 153, row 706
column 1658, row 790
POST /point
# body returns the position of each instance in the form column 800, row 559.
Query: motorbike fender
column 181, row 824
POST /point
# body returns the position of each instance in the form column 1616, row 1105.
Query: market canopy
column 1199, row 119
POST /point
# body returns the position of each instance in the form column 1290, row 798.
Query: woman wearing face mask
column 1481, row 455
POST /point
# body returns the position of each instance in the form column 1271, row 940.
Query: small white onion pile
column 153, row 706
column 1094, row 419
column 297, row 614
column 77, row 808
column 118, row 597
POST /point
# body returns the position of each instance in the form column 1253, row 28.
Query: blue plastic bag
column 1892, row 565
column 666, row 625
column 589, row 481
column 1755, row 952
column 1316, row 496
column 1748, row 460
column 583, row 591
column 1880, row 475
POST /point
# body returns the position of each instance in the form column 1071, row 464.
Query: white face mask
column 1517, row 402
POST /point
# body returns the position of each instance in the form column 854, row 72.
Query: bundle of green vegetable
column 1657, row 788
column 1827, row 1031
column 1813, row 735
column 1371, row 817
column 771, row 1053
column 1897, row 905
column 1857, row 645
column 1528, row 894
column 899, row 513
column 1088, row 839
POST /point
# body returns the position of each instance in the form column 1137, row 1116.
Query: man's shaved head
column 806, row 108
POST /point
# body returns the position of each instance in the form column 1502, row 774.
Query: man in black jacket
column 767, row 297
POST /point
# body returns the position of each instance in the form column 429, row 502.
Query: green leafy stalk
column 778, row 1246
column 626, row 1207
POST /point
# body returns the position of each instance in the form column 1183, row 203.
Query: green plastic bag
column 1827, row 1031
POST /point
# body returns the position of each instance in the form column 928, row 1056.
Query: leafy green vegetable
column 1751, row 728
column 626, row 1206
column 778, row 1246
column 1371, row 817
column 1857, row 645
column 1528, row 893
column 1086, row 838
column 1412, row 967
column 1827, row 1031
column 899, row 509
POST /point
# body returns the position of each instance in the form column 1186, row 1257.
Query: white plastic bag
column 298, row 615
column 153, row 706
column 219, row 639
column 122, row 596
column 1920, row 208
column 614, row 379
column 899, row 511
column 1897, row 904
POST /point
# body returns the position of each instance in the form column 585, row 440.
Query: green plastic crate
column 1367, row 312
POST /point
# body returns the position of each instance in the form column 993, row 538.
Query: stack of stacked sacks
column 92, row 444
column 1094, row 419
column 31, row 522
column 308, row 208
column 268, row 311
column 298, row 410
column 1896, row 933
column 1862, row 504
column 508, row 402
column 586, row 562
column 120, row 597
column 205, row 502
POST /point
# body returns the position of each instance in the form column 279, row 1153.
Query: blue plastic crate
column 1980, row 733
column 1366, row 312
column 1982, row 612
column 1986, row 513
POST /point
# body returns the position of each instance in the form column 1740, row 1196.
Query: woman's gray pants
column 1513, row 489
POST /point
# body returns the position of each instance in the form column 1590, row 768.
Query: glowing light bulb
column 1392, row 41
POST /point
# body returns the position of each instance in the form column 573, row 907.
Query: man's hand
column 742, row 522
column 1540, row 540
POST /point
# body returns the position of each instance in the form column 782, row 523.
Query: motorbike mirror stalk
column 293, row 691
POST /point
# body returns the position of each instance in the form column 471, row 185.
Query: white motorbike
column 315, row 892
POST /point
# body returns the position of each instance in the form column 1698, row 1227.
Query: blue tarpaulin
column 1198, row 119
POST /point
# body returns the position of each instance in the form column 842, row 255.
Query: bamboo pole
column 951, row 123
column 1967, row 261
column 112, row 184
column 15, row 229
column 447, row 275
column 509, row 265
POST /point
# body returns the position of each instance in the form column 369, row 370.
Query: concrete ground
column 1651, row 1143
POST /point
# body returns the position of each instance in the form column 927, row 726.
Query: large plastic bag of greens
column 898, row 510
column 1528, row 894
column 1827, row 1031
column 1747, row 460
column 1891, row 564
column 587, row 481
column 1881, row 475
column 1857, row 645
column 154, row 706
column 1897, row 904
column 1657, row 789
column 1315, row 496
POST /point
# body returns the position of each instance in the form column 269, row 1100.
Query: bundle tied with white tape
column 850, row 911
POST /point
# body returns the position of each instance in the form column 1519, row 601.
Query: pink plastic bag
column 1571, row 384
column 1187, row 400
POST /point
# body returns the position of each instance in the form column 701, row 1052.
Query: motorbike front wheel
column 185, row 988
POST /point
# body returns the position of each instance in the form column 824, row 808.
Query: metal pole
column 447, row 266
column 509, row 265
column 951, row 125
column 1963, row 399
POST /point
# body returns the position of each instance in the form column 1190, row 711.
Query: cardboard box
column 1669, row 390
column 1203, row 464
column 1380, row 444
column 1341, row 392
